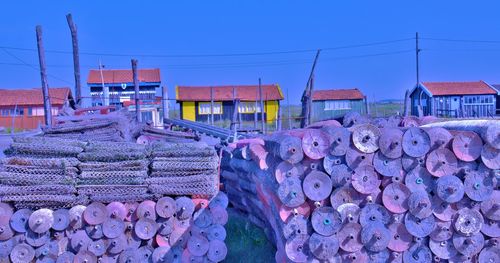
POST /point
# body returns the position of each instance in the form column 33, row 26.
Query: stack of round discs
column 169, row 230
column 113, row 171
column 183, row 168
column 372, row 194
column 40, row 172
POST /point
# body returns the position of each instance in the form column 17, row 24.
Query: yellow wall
column 271, row 108
column 188, row 110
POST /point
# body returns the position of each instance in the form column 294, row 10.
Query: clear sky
column 202, row 42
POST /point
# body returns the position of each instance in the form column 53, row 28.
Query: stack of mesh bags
column 113, row 171
column 40, row 172
column 183, row 168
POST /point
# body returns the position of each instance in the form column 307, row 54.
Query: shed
column 334, row 103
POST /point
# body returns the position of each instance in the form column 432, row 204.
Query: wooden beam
column 76, row 58
column 164, row 103
column 43, row 74
column 263, row 121
column 136, row 89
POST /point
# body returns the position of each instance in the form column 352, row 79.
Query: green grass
column 246, row 242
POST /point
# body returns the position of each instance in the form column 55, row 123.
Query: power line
column 462, row 40
column 214, row 55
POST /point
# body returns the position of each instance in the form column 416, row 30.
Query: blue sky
column 172, row 32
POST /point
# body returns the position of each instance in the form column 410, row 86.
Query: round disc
column 295, row 226
column 297, row 248
column 409, row 163
column 352, row 118
column 386, row 166
column 441, row 162
column 287, row 212
column 331, row 160
column 19, row 220
column 219, row 215
column 410, row 121
column 80, row 240
column 420, row 204
column 468, row 221
column 317, row 186
column 61, row 219
column 131, row 211
column 345, row 194
column 95, row 213
column 184, row 208
column 400, row 239
column 326, row 221
column 198, row 245
column 133, row 241
column 200, row 203
column 478, row 186
column 85, row 257
column 116, row 210
column 165, row 207
column 349, row 237
column 395, row 197
column 467, row 146
column 216, row 232
column 440, row 137
column 117, row 245
column 163, row 255
column 365, row 137
column 97, row 247
column 217, row 251
column 490, row 157
column 41, row 220
column 112, row 228
column 340, row 138
column 375, row 237
column 66, row 257
column 380, row 256
column 6, row 247
column 416, row 142
column 443, row 249
column 357, row 257
column 489, row 254
column 202, row 218
column 443, row 231
column 373, row 213
column 390, row 143
column 290, row 192
column 419, row 227
column 6, row 212
column 76, row 216
column 354, row 158
column 146, row 209
column 94, row 232
column 286, row 169
column 145, row 228
column 468, row 245
column 490, row 207
column 340, row 175
column 443, row 210
column 491, row 228
column 450, row 188
column 323, row 247
column 349, row 212
column 315, row 144
column 417, row 254
column 128, row 256
column 22, row 253
column 188, row 257
column 419, row 179
column 365, row 180
column 6, row 232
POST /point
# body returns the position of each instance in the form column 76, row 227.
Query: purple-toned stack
column 373, row 191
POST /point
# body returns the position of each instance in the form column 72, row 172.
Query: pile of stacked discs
column 170, row 230
column 113, row 171
column 40, row 172
column 369, row 194
column 183, row 168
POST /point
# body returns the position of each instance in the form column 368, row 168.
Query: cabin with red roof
column 23, row 108
column 335, row 103
column 196, row 102
column 454, row 99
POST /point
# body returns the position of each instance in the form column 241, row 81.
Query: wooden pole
column 406, row 110
column 288, row 106
column 76, row 58
column 235, row 111
column 164, row 100
column 136, row 89
column 278, row 119
column 307, row 96
column 309, row 103
column 212, row 105
column 367, row 106
column 263, row 121
column 255, row 114
column 43, row 74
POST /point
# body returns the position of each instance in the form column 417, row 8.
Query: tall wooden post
column 136, row 89
column 288, row 106
column 235, row 119
column 278, row 119
column 43, row 74
column 255, row 113
column 212, row 105
column 307, row 95
column 263, row 120
column 164, row 103
column 76, row 58
column 407, row 106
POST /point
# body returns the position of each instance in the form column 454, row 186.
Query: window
column 204, row 108
column 337, row 105
column 248, row 107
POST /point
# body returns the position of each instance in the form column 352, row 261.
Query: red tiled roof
column 26, row 97
column 459, row 88
column 337, row 94
column 118, row 76
column 225, row 93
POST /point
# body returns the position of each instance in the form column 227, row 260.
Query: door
column 455, row 105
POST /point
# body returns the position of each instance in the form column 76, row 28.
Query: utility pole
column 255, row 113
column 76, row 58
column 105, row 90
column 211, row 105
column 263, row 121
column 288, row 106
column 136, row 89
column 417, row 51
column 307, row 95
column 43, row 74
column 164, row 100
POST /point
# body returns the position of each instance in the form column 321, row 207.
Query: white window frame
column 337, row 105
column 204, row 108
